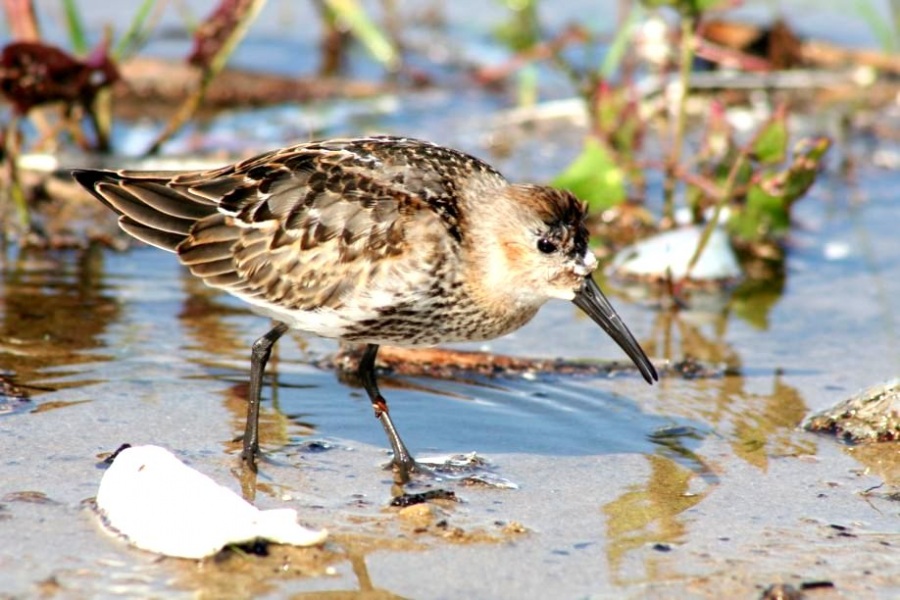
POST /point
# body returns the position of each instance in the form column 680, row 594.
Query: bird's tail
column 148, row 208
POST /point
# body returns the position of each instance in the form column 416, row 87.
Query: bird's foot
column 404, row 467
column 249, row 456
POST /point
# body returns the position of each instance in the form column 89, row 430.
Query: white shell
column 160, row 504
column 672, row 251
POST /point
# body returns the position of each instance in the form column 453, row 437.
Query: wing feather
column 301, row 226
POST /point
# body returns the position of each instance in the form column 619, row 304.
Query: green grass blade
column 136, row 33
column 883, row 29
column 620, row 43
column 351, row 13
column 75, row 26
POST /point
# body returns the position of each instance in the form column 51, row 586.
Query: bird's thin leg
column 402, row 458
column 259, row 356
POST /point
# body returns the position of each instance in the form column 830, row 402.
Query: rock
column 872, row 415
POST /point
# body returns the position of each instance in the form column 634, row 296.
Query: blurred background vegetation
column 690, row 116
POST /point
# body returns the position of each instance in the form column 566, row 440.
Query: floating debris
column 454, row 464
column 446, row 363
column 13, row 398
column 469, row 469
column 489, row 480
column 405, row 500
column 690, row 368
column 872, row 415
column 160, row 504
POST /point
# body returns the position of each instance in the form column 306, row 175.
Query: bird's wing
column 300, row 227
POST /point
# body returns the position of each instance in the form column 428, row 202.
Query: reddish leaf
column 33, row 73
column 215, row 31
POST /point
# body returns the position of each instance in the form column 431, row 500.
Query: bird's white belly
column 324, row 322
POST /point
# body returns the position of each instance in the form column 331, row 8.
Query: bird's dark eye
column 546, row 246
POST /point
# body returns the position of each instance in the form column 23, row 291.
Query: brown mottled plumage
column 380, row 240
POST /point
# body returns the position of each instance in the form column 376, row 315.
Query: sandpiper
column 377, row 240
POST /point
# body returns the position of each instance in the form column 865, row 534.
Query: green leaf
column 594, row 177
column 763, row 215
column 770, row 146
column 771, row 211
column 704, row 5
column 136, row 33
column 804, row 168
column 523, row 30
column 685, row 7
column 767, row 209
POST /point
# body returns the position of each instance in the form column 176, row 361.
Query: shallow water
column 691, row 488
column 125, row 347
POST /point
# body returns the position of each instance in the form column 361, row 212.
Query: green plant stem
column 136, row 34
column 14, row 190
column 100, row 115
column 685, row 60
column 726, row 194
column 75, row 25
column 189, row 107
column 353, row 15
column 184, row 113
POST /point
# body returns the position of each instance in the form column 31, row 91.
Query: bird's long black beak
column 592, row 301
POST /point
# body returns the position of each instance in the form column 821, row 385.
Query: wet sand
column 701, row 488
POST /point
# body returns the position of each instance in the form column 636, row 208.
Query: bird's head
column 535, row 243
column 536, row 246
